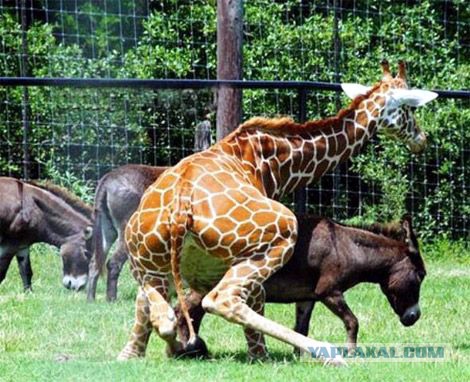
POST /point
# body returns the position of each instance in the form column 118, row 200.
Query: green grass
column 54, row 335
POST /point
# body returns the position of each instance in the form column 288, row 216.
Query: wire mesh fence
column 87, row 131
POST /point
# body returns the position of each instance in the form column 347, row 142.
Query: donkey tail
column 99, row 212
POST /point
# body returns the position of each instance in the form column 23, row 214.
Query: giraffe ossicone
column 222, row 203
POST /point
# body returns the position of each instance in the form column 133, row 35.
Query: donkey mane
column 286, row 125
column 392, row 230
column 76, row 203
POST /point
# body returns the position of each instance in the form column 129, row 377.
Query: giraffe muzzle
column 418, row 143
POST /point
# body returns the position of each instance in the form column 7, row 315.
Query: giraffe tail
column 180, row 221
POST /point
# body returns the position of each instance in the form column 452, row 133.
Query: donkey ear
column 88, row 232
column 354, row 90
column 413, row 97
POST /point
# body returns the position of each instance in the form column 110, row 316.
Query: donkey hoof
column 195, row 349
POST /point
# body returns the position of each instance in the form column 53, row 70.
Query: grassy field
column 54, row 335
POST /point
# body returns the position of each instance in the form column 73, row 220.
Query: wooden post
column 229, row 64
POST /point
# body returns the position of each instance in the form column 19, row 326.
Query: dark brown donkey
column 32, row 213
column 117, row 197
column 329, row 259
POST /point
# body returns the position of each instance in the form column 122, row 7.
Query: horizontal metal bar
column 188, row 84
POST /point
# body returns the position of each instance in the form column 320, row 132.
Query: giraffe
column 214, row 219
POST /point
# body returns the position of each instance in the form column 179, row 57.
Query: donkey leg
column 93, row 275
column 337, row 304
column 24, row 265
column 114, row 266
column 303, row 313
column 141, row 331
column 5, row 260
column 228, row 299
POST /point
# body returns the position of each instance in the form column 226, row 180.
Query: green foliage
column 282, row 40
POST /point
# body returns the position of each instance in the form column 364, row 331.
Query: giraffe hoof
column 337, row 361
column 196, row 349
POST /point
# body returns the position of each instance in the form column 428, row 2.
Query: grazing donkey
column 330, row 258
column 32, row 213
column 117, row 197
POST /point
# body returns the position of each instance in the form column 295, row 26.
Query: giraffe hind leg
column 255, row 339
column 141, row 331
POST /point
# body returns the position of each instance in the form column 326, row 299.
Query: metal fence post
column 300, row 196
column 25, row 102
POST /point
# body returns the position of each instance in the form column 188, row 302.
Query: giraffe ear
column 354, row 90
column 413, row 97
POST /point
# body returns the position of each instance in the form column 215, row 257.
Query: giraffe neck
column 283, row 156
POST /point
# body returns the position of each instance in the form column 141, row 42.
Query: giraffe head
column 396, row 104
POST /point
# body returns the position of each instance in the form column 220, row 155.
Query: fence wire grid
column 84, row 132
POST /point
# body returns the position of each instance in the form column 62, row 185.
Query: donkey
column 117, row 197
column 33, row 213
column 329, row 259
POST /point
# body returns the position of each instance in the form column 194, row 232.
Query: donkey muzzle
column 74, row 282
column 411, row 315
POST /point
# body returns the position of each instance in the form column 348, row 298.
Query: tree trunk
column 229, row 64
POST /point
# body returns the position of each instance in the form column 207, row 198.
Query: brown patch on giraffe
column 225, row 224
column 268, row 180
column 284, row 153
column 321, row 168
column 264, row 218
column 210, row 237
column 268, row 146
column 245, row 228
column 244, row 272
column 372, row 127
column 229, row 149
column 341, row 138
column 346, row 155
column 221, row 204
column 256, row 205
column 241, row 213
column 356, row 150
column 361, row 118
column 153, row 243
column 238, row 246
column 371, row 106
column 285, row 171
column 228, row 239
column 167, row 180
column 293, row 181
column 255, row 236
column 320, row 148
column 332, row 147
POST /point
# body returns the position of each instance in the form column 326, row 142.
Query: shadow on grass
column 242, row 357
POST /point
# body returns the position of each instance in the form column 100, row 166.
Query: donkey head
column 76, row 255
column 397, row 104
column 403, row 282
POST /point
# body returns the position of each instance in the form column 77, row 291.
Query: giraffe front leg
column 140, row 334
column 255, row 339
